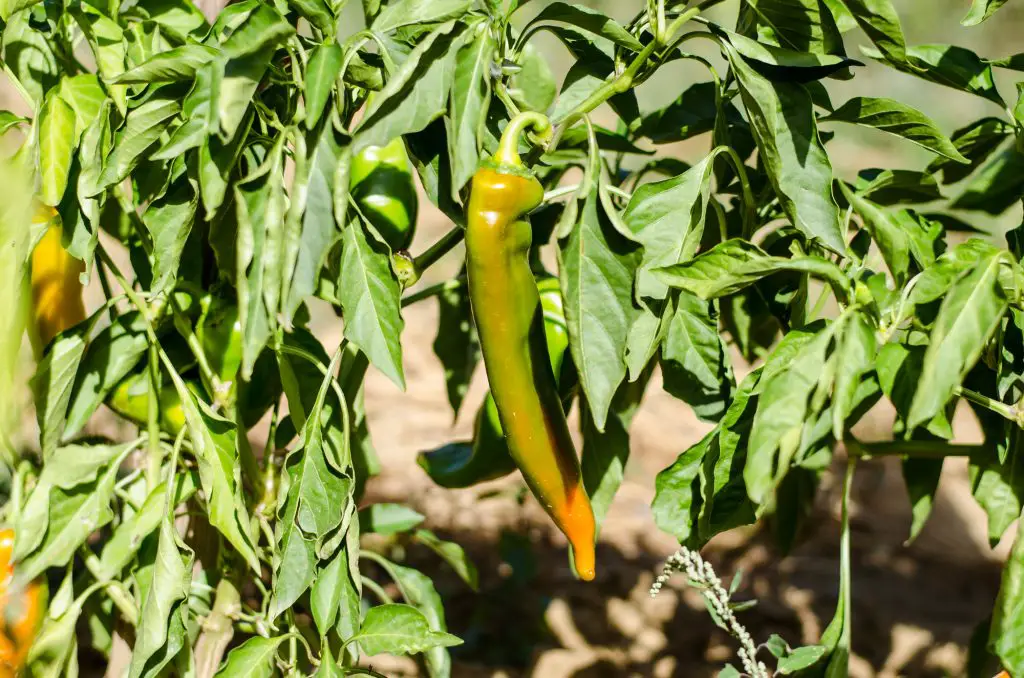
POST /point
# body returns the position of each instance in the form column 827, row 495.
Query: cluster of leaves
column 174, row 140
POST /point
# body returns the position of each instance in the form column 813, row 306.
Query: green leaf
column 998, row 486
column 370, row 301
column 981, row 10
column 56, row 148
column 677, row 491
column 453, row 554
column 141, row 131
column 8, row 8
column 318, row 14
column 891, row 240
column 29, row 55
column 161, row 631
column 67, row 468
column 388, row 519
column 237, row 80
column 262, row 29
column 169, row 222
column 997, row 186
column 597, row 265
column 418, row 590
column 533, row 86
column 695, row 367
column 894, row 117
column 456, row 344
column 52, row 387
column 782, row 119
column 948, row 65
column 74, row 514
column 583, row 21
column 9, row 120
column 252, row 659
column 787, row 385
column 855, row 355
column 175, row 65
column 881, row 24
column 922, row 479
column 178, row 18
column 334, row 594
column 734, row 264
column 401, row 108
column 606, row 453
column 259, row 203
column 976, row 142
column 693, row 112
column 214, row 444
column 399, row 629
column 968, row 317
column 321, row 73
column 319, row 228
column 800, row 659
column 85, row 96
column 1006, row 637
column 128, row 537
column 316, row 502
column 110, row 356
column 409, row 12
column 106, row 38
column 889, row 187
column 780, row 63
column 667, row 218
column 467, row 113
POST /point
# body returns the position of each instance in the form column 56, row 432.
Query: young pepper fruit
column 21, row 612
column 486, row 457
column 381, row 183
column 56, row 288
column 510, row 322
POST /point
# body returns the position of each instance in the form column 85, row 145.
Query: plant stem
column 445, row 244
column 155, row 457
column 1008, row 411
column 433, row 291
column 120, row 599
column 915, row 449
column 619, row 84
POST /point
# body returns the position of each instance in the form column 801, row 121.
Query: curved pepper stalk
column 510, row 322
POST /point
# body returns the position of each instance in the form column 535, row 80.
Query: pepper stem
column 508, row 147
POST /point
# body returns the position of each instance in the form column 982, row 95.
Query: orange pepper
column 21, row 612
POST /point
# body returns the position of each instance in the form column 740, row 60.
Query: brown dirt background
column 914, row 606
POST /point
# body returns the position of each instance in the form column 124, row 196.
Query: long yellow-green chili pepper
column 510, row 322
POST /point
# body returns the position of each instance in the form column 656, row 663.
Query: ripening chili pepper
column 486, row 457
column 510, row 322
column 220, row 334
column 21, row 611
column 381, row 183
column 56, row 288
column 130, row 399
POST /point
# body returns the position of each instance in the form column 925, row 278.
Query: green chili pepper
column 381, row 183
column 510, row 322
column 486, row 457
column 130, row 399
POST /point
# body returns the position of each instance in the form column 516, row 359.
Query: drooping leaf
column 388, row 519
column 783, row 124
column 981, row 10
column 52, row 387
column 584, row 21
column 969, row 316
column 467, row 113
column 894, row 117
column 399, row 629
column 324, row 66
column 949, row 65
column 370, row 301
column 596, row 262
column 56, row 147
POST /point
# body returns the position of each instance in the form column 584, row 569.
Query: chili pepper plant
column 216, row 175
